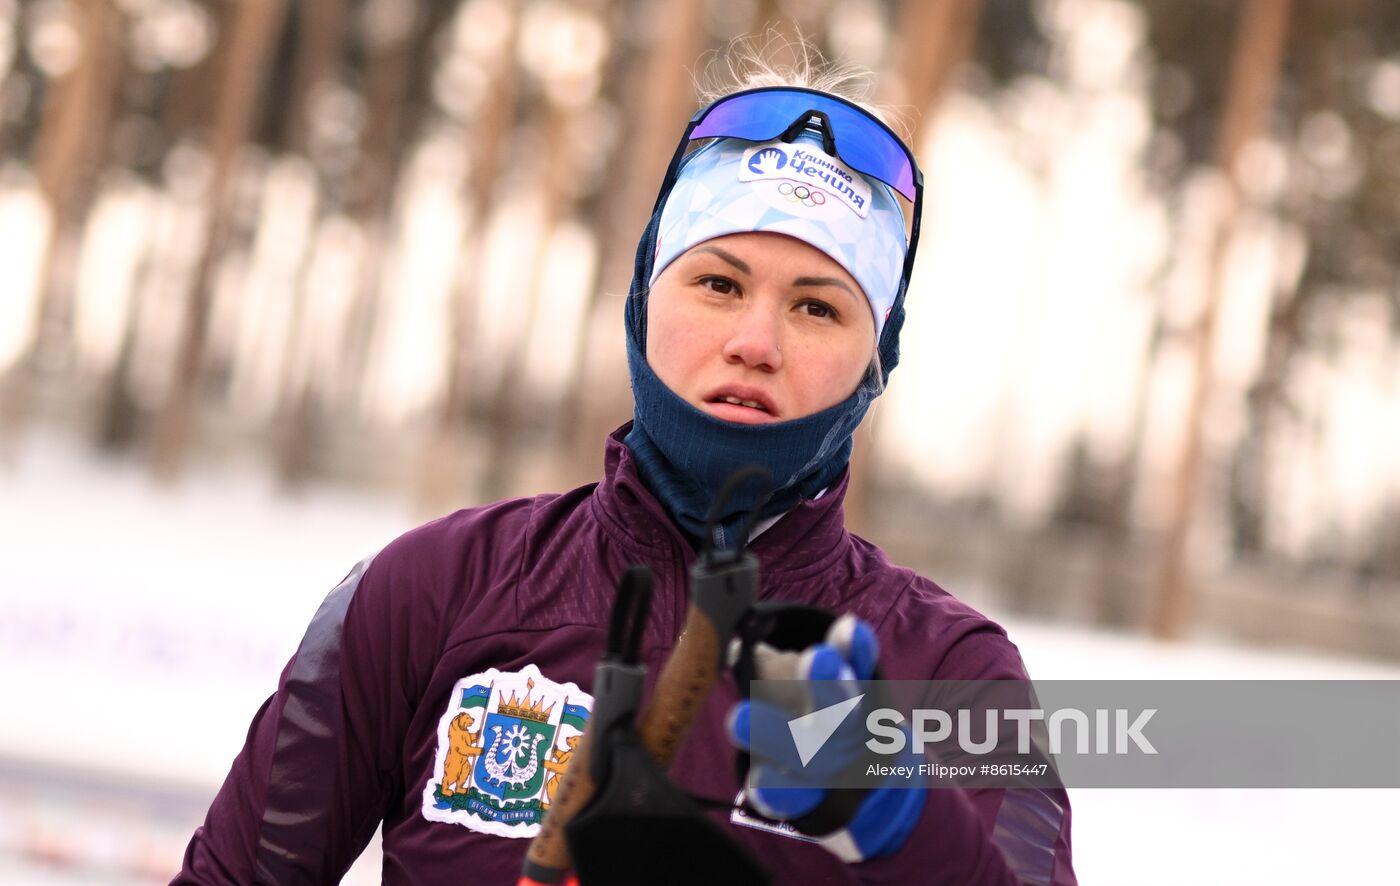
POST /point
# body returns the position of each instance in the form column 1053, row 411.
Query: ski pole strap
column 718, row 508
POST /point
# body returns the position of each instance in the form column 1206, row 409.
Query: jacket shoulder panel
column 460, row 572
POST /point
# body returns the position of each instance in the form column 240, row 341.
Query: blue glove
column 789, row 771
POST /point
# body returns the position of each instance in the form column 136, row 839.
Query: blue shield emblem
column 509, row 766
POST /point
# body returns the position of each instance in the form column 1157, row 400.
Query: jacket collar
column 805, row 539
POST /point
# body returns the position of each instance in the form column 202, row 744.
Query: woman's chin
column 742, row 415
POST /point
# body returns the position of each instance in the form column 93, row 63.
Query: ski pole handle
column 722, row 590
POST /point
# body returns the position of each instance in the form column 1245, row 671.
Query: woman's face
column 763, row 318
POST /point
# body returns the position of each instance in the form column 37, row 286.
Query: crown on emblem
column 523, row 708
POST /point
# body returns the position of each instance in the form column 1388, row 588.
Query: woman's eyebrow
column 727, row 256
column 824, row 281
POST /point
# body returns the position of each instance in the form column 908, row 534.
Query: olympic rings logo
column 802, row 194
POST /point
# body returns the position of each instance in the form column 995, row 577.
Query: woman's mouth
column 732, row 407
column 752, row 404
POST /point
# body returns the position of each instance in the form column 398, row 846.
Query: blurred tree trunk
column 180, row 106
column 937, row 37
column 444, row 472
column 18, row 136
column 319, row 30
column 654, row 110
column 398, row 60
column 1118, row 579
column 1258, row 54
column 1316, row 26
column 74, row 130
column 193, row 91
column 511, row 395
column 251, row 41
column 604, row 210
column 390, row 49
column 320, row 41
column 72, row 141
column 117, row 413
column 400, row 41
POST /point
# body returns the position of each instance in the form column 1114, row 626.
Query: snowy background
column 140, row 629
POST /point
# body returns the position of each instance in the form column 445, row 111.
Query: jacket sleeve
column 320, row 765
column 987, row 836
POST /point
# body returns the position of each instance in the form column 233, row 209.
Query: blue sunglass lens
column 861, row 141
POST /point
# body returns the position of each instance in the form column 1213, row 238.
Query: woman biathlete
column 442, row 688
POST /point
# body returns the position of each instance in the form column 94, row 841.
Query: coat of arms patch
column 503, row 746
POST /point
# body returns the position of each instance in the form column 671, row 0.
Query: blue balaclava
column 683, row 454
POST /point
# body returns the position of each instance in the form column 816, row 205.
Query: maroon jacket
column 488, row 623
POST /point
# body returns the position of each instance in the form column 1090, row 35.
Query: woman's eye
column 721, row 285
column 818, row 309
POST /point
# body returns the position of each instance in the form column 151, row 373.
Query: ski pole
column 724, row 584
column 617, row 686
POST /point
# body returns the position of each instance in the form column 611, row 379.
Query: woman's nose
column 755, row 339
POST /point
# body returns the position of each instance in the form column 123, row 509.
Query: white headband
column 732, row 186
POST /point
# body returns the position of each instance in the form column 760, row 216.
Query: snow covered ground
column 141, row 627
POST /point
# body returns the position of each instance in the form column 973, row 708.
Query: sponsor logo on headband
column 765, row 161
column 808, row 176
